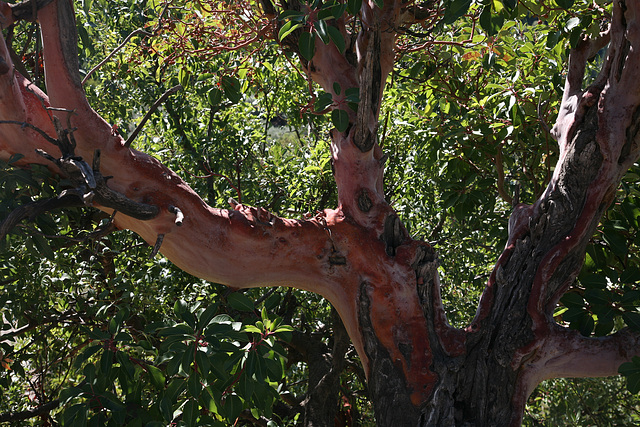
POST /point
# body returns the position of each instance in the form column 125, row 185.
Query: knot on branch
column 364, row 201
column 89, row 184
column 4, row 66
column 392, row 234
column 425, row 263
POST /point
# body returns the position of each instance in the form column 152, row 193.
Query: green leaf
column 630, row 275
column 321, row 31
column 510, row 4
column 43, row 247
column 353, row 6
column 193, row 385
column 491, row 22
column 336, row 37
column 251, row 328
column 231, row 87
column 166, row 408
column 86, row 354
column 190, row 413
column 379, row 3
column 203, row 363
column 179, row 307
column 584, row 324
column 632, row 319
column 232, row 407
column 307, row 45
column 553, row 39
column 565, row 4
column 14, row 158
column 323, row 101
column 616, row 241
column 214, row 96
column 183, row 77
column 455, row 9
column 106, row 362
column 597, row 281
column 156, row 376
column 69, row 393
column 188, row 357
column 331, row 12
column 340, row 119
column 572, row 299
column 206, row 316
column 180, row 330
column 336, row 88
column 75, row 416
column 287, row 29
column 240, row 302
column 293, row 15
column 597, row 296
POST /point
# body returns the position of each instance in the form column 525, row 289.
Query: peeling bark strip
column 370, row 85
column 69, row 41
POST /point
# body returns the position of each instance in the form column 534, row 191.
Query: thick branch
column 31, row 413
column 243, row 247
column 567, row 354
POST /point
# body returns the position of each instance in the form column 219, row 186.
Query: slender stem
column 138, row 31
column 146, row 117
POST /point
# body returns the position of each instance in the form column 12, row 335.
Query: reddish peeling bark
column 359, row 256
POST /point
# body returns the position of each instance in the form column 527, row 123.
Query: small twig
column 541, row 119
column 500, row 182
column 138, row 31
column 208, row 169
column 266, row 295
column 178, row 213
column 153, row 108
column 30, row 126
column 384, row 129
column 156, row 247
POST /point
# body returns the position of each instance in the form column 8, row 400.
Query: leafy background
column 91, row 321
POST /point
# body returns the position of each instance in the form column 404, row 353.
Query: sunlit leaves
column 289, row 26
column 194, row 366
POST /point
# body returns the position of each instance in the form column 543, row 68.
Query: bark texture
column 384, row 284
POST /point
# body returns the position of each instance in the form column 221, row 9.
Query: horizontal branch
column 568, row 354
column 31, row 413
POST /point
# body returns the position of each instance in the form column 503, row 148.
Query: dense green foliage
column 120, row 338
